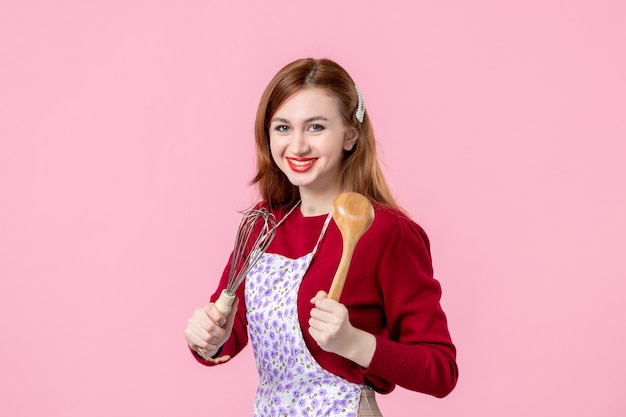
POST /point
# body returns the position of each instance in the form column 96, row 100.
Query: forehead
column 307, row 102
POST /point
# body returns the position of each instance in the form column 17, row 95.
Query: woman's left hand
column 330, row 327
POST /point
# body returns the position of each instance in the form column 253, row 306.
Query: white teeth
column 301, row 163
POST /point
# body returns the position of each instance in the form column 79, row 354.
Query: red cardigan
column 389, row 292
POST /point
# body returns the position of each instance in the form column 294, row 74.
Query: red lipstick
column 300, row 164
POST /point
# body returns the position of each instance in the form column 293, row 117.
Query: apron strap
column 323, row 232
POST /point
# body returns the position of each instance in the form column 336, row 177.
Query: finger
column 215, row 314
column 204, row 326
column 321, row 338
column 211, row 347
column 329, row 305
column 321, row 315
column 327, row 327
column 319, row 296
column 326, row 321
column 200, row 336
column 195, row 340
column 314, row 333
column 317, row 324
column 196, row 328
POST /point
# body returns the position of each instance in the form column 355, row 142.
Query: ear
column 350, row 140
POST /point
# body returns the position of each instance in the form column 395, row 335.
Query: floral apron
column 291, row 382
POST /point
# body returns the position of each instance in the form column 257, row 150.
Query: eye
column 316, row 128
column 281, row 128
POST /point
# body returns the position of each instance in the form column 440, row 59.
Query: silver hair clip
column 360, row 108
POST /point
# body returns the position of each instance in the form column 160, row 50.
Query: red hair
column 360, row 171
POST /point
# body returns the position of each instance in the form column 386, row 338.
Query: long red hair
column 360, row 172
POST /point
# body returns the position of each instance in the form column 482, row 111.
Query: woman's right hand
column 208, row 329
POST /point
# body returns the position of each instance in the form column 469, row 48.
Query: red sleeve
column 418, row 353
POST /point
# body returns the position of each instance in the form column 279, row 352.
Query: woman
column 316, row 356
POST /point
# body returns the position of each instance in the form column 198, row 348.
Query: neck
column 316, row 204
column 309, row 210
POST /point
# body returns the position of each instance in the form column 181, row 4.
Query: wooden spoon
column 353, row 214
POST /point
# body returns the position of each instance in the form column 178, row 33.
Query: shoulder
column 394, row 226
column 394, row 219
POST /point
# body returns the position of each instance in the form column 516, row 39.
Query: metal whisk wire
column 240, row 263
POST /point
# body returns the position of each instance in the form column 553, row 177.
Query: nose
column 299, row 144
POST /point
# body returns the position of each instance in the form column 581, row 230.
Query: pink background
column 126, row 147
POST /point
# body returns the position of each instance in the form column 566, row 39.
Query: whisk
column 241, row 264
column 253, row 220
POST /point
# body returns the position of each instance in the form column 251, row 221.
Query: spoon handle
column 342, row 271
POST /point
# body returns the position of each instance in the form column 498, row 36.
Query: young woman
column 316, row 356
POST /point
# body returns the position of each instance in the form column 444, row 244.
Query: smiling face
column 308, row 138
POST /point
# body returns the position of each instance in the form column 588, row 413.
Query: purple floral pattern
column 291, row 383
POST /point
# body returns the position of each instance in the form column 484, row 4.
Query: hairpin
column 360, row 108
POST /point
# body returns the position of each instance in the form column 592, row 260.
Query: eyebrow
column 309, row 120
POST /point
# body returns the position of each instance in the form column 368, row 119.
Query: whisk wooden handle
column 225, row 303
